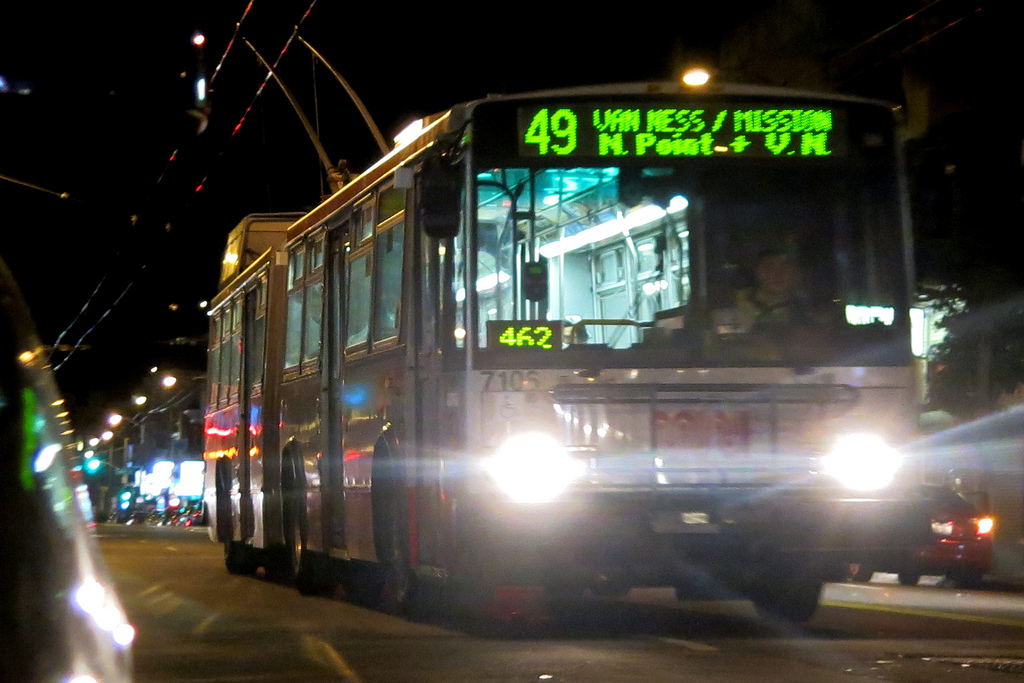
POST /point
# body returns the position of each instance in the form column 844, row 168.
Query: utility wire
column 238, row 26
column 174, row 156
column 160, row 178
column 33, row 186
column 78, row 317
column 67, row 330
column 87, row 332
column 884, row 31
column 231, row 43
column 924, row 39
column 259, row 91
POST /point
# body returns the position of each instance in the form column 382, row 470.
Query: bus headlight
column 533, row 468
column 863, row 462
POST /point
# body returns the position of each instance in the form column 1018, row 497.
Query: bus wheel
column 396, row 577
column 967, row 579
column 315, row 575
column 239, row 558
column 610, row 590
column 284, row 562
column 793, row 600
column 861, row 573
column 909, row 578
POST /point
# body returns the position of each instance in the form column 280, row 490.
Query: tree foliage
column 982, row 356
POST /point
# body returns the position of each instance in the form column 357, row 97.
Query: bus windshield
column 742, row 263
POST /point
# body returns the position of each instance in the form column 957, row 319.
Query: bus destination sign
column 661, row 131
column 524, row 334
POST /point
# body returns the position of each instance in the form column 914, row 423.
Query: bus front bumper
column 655, row 537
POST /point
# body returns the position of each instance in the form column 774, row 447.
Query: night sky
column 110, row 89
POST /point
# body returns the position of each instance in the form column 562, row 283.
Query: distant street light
column 107, row 435
column 94, row 441
column 169, row 381
column 115, row 419
column 140, row 400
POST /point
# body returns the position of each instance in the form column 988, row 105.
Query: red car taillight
column 984, row 525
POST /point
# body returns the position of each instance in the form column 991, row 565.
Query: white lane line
column 930, row 613
column 164, row 603
column 153, row 588
column 204, row 624
column 325, row 655
column 689, row 644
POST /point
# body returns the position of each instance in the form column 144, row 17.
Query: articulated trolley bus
column 586, row 339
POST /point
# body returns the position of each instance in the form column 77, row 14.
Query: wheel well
column 293, row 487
column 387, row 485
column 223, row 510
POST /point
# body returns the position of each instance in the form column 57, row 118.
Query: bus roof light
column 696, row 77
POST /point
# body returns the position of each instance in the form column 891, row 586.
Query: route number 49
column 553, row 133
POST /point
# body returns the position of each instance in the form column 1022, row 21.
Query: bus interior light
column 637, row 218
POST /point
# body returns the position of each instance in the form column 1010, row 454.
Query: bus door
column 250, row 406
column 332, row 385
column 245, row 516
column 433, row 425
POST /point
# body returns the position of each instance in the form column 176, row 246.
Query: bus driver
column 774, row 304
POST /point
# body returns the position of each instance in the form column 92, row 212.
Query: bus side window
column 314, row 300
column 364, row 220
column 235, row 351
column 389, row 281
column 358, row 301
column 293, row 331
column 214, row 358
column 223, row 371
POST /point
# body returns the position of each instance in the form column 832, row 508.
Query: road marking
column 204, row 624
column 325, row 655
column 935, row 614
column 690, row 645
column 164, row 603
column 154, row 587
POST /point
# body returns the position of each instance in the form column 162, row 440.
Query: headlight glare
column 533, row 468
column 863, row 462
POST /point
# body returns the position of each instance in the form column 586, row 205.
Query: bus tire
column 284, row 561
column 239, row 558
column 389, row 502
column 610, row 590
column 908, row 578
column 967, row 579
column 862, row 573
column 793, row 600
column 314, row 575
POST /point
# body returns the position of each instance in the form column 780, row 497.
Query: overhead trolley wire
column 238, row 26
column 33, row 186
column 216, row 71
column 86, row 334
column 259, row 91
column 160, row 178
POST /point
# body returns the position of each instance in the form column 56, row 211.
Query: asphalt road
column 198, row 623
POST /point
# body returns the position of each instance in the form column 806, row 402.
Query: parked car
column 961, row 549
column 60, row 617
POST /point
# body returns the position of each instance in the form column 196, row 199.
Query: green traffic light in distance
column 92, row 464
